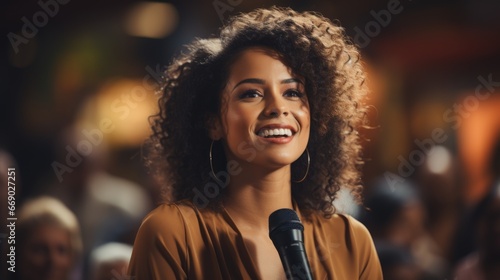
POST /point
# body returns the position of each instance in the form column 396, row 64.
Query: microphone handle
column 294, row 260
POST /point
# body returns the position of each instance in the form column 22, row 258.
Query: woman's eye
column 250, row 94
column 293, row 93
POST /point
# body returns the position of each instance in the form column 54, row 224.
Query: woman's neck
column 252, row 196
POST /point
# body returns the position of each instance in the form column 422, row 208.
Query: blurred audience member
column 440, row 183
column 110, row 261
column 108, row 208
column 397, row 262
column 484, row 263
column 465, row 240
column 395, row 213
column 396, row 216
column 48, row 240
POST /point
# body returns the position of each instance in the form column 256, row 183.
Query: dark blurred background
column 77, row 84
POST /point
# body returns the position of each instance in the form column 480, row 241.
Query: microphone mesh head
column 284, row 219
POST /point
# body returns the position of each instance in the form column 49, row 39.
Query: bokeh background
column 78, row 80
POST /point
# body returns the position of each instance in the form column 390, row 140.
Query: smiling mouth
column 275, row 133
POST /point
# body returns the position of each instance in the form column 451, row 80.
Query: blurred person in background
column 108, row 208
column 440, row 181
column 484, row 263
column 395, row 216
column 263, row 118
column 48, row 241
column 478, row 240
column 397, row 262
column 110, row 261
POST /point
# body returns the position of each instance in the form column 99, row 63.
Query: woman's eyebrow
column 250, row 81
column 292, row 80
column 261, row 82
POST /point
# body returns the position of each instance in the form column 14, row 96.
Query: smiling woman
column 261, row 100
column 262, row 118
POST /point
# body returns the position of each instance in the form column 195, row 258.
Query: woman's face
column 265, row 112
column 47, row 254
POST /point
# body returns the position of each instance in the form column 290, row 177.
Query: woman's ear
column 214, row 128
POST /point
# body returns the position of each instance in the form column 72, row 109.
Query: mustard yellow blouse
column 179, row 241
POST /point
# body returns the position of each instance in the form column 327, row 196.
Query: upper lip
column 273, row 126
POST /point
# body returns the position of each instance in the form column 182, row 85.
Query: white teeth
column 275, row 132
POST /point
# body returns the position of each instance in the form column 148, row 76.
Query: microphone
column 286, row 232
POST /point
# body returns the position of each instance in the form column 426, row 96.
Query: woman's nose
column 276, row 106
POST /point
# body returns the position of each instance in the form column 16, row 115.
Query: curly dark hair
column 314, row 48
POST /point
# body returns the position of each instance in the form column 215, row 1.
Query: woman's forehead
column 259, row 62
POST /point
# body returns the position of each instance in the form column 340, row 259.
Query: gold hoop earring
column 212, row 165
column 307, row 170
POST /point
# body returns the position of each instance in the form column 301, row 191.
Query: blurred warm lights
column 120, row 111
column 476, row 138
column 151, row 20
column 427, row 114
column 439, row 160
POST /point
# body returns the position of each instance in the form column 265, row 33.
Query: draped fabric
column 180, row 241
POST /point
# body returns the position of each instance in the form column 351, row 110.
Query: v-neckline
column 229, row 220
column 239, row 237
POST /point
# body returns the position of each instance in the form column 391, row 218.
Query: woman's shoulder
column 345, row 225
column 170, row 215
column 162, row 241
column 343, row 221
column 356, row 226
column 181, row 216
column 158, row 223
column 353, row 237
column 169, row 208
